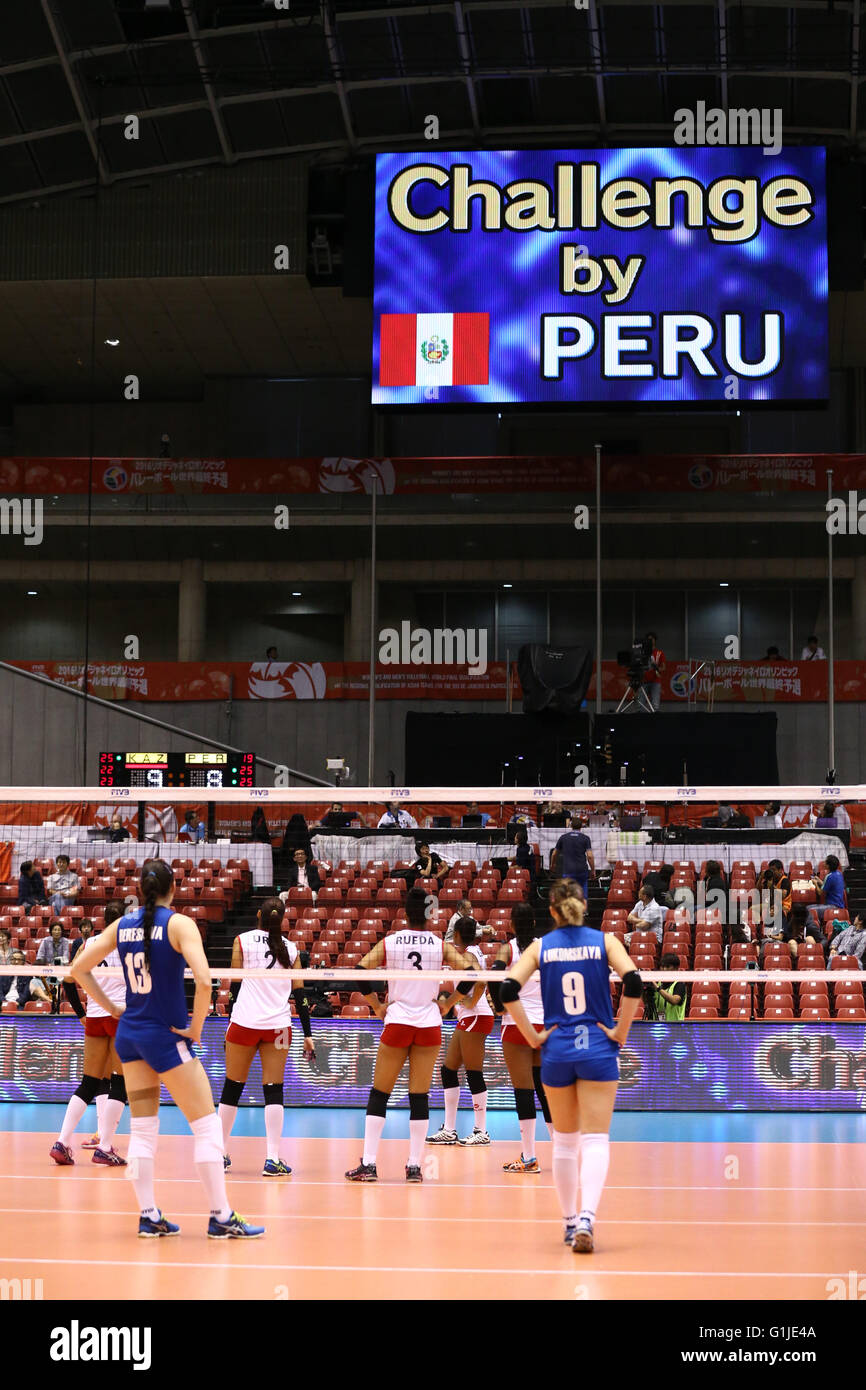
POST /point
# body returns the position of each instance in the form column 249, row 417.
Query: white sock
column 143, row 1137
column 101, row 1101
column 527, row 1138
column 273, row 1129
column 209, row 1163
column 109, row 1120
column 594, row 1163
column 565, row 1173
column 452, row 1101
column 373, row 1126
column 74, row 1110
column 479, row 1105
column 227, row 1114
column 417, row 1135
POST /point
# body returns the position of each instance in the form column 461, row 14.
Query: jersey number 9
column 139, row 978
column 574, row 993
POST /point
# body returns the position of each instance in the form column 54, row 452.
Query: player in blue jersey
column 154, row 1043
column 579, row 1048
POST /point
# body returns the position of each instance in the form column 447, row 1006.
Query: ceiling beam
column 213, row 105
column 334, row 60
column 466, row 61
column 75, row 92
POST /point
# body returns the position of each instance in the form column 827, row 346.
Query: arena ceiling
column 219, row 81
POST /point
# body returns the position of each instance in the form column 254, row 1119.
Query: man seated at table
column 398, row 817
column 191, row 829
column 335, row 818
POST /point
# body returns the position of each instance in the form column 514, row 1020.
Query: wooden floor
column 677, row 1221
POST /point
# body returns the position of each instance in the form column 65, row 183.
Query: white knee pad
column 565, row 1145
column 208, row 1139
column 143, row 1136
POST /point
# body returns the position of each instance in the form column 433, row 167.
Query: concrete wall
column 42, row 735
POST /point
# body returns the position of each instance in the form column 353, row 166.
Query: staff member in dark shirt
column 573, row 857
column 428, row 865
column 31, row 889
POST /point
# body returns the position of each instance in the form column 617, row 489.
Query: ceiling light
column 296, row 593
column 508, row 586
column 723, row 584
column 112, row 342
column 32, row 593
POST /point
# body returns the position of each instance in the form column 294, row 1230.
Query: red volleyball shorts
column 512, row 1034
column 479, row 1024
column 251, row 1037
column 407, row 1035
column 100, row 1027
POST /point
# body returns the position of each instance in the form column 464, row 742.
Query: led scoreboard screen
column 177, row 770
column 618, row 275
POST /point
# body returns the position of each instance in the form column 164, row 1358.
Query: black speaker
column 554, row 679
column 845, row 199
column 359, row 240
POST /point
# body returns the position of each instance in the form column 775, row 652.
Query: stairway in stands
column 855, row 882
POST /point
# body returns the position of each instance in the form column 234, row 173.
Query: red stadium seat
column 778, row 1013
column 850, row 1014
column 355, row 1011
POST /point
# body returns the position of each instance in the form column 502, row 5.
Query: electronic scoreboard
column 177, row 770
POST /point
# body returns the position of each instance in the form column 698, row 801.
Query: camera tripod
column 634, row 694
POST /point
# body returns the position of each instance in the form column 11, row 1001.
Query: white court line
column 654, row 1274
column 426, row 1219
column 433, row 1184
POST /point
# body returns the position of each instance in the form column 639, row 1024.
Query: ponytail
column 271, row 914
column 156, row 882
column 567, row 897
column 523, row 922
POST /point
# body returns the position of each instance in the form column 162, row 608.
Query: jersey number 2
column 139, row 978
column 574, row 993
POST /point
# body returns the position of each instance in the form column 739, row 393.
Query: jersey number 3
column 415, row 957
column 139, row 978
column 574, row 993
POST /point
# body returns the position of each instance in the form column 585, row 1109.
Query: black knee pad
column 450, row 1078
column 476, row 1083
column 419, row 1105
column 524, row 1099
column 232, row 1092
column 539, row 1091
column 273, row 1093
column 117, row 1087
column 378, row 1103
column 89, row 1088
column 104, row 1087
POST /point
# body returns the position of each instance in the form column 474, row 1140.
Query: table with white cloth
column 46, row 842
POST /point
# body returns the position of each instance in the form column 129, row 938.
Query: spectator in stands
column 646, row 915
column 773, row 812
column 659, row 880
column 271, row 654
column 827, row 818
column 428, row 864
column 31, row 889
column 803, row 924
column 714, row 877
column 398, row 817
column 782, row 884
column 297, row 835
column 773, row 654
column 303, row 873
column 832, row 887
column 464, row 909
column 117, row 830
column 64, row 886
column 524, row 856
column 5, row 946
column 259, row 833
column 572, row 856
column 811, row 651
column 53, row 948
column 670, row 996
column 15, row 989
column 191, row 829
column 652, row 681
column 85, row 927
column 851, row 941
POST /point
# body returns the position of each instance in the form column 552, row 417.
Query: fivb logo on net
column 22, row 517
column 446, row 646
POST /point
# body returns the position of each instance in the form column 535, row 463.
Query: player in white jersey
column 413, row 1029
column 520, row 1059
column 100, row 1062
column 475, row 1020
column 262, row 1022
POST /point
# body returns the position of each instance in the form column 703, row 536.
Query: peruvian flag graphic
column 434, row 349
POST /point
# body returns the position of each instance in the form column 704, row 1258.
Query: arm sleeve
column 300, row 997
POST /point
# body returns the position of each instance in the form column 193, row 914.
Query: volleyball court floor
column 696, row 1207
